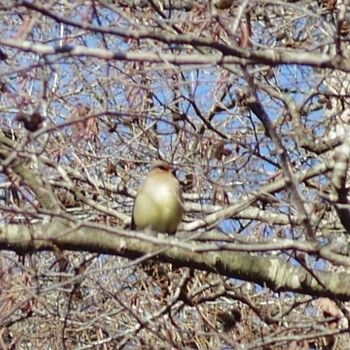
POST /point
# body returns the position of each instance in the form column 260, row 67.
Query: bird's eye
column 165, row 167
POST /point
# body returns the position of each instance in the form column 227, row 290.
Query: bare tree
column 248, row 100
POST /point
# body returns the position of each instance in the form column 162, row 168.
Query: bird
column 158, row 204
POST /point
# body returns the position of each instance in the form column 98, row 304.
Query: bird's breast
column 159, row 208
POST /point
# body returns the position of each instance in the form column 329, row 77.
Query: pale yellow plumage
column 158, row 204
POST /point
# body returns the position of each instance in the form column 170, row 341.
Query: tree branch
column 274, row 273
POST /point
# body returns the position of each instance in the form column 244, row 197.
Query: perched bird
column 158, row 204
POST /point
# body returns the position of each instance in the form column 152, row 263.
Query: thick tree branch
column 267, row 56
column 339, row 181
column 226, row 54
column 274, row 273
column 254, row 103
column 237, row 209
column 14, row 164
